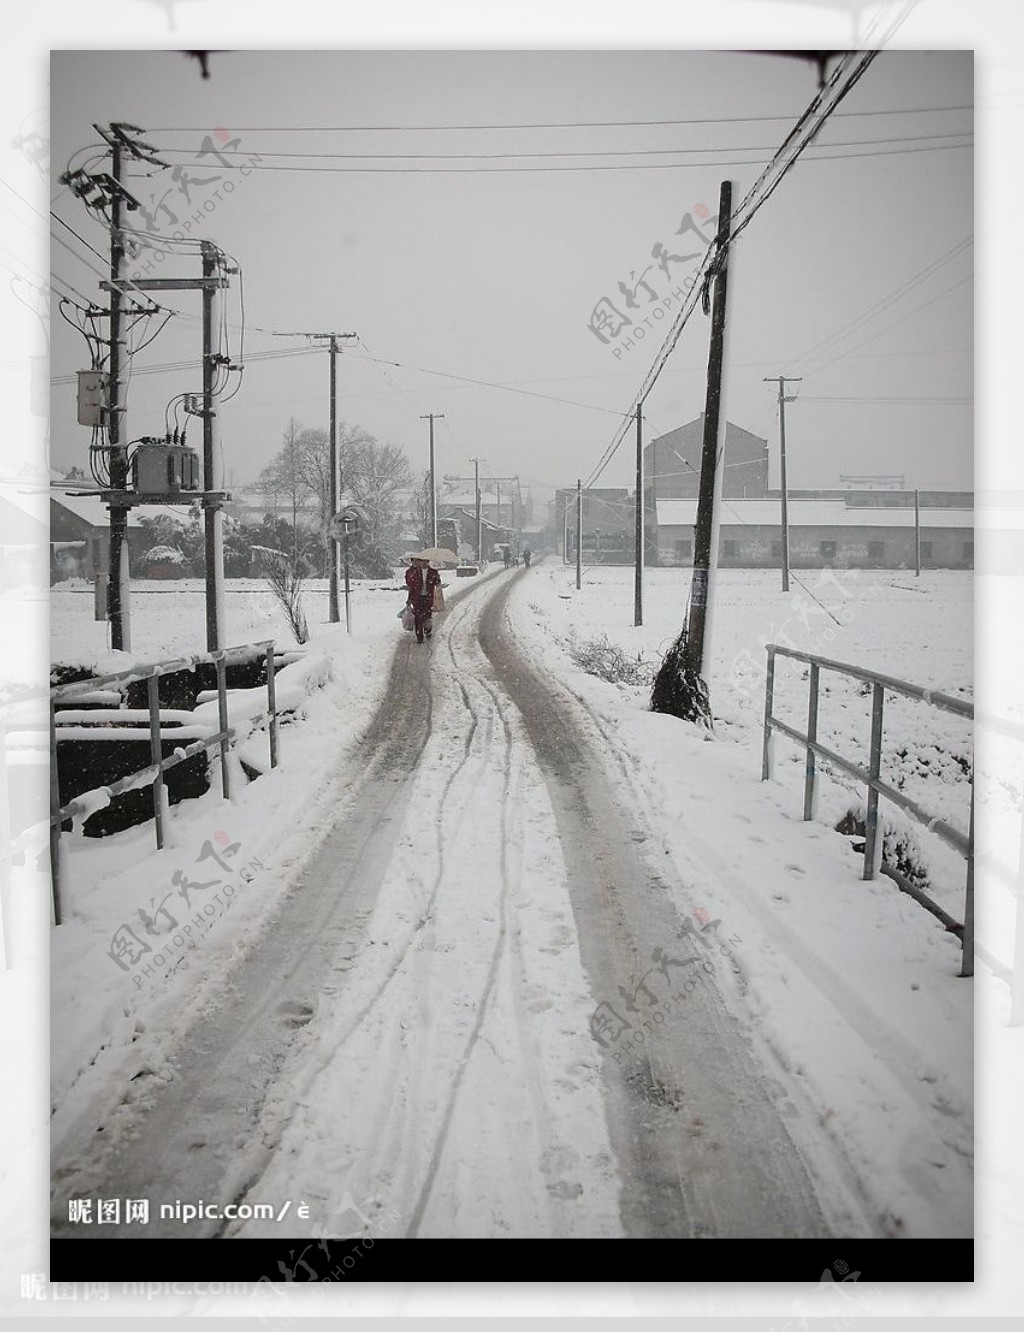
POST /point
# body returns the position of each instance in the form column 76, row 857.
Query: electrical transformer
column 159, row 468
column 93, row 392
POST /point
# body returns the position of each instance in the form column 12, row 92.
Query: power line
column 625, row 166
column 809, row 124
column 851, row 326
column 894, row 324
column 567, row 124
column 484, row 383
column 589, row 152
column 923, row 400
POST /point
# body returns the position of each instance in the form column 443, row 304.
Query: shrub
column 606, row 660
column 900, row 849
column 679, row 690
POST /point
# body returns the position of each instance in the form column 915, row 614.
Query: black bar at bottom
column 132, row 1262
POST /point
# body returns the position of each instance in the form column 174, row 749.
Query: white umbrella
column 438, row 555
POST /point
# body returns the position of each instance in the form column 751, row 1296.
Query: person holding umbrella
column 421, row 580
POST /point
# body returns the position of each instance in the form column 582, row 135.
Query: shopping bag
column 407, row 618
column 438, row 600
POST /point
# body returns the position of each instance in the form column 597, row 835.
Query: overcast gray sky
column 493, row 275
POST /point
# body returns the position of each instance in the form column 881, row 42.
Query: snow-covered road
column 431, row 1028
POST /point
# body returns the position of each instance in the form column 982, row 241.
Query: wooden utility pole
column 705, row 559
column 579, row 535
column 782, row 381
column 118, row 591
column 432, row 417
column 638, row 579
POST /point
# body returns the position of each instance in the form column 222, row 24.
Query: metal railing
column 153, row 774
column 872, row 779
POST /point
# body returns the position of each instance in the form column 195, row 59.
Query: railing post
column 5, row 844
column 872, row 841
column 967, row 961
column 810, row 777
column 156, row 753
column 272, row 706
column 222, row 721
column 769, row 699
column 1017, row 963
column 56, row 851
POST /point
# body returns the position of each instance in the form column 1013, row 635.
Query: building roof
column 730, row 426
column 91, row 509
column 18, row 528
column 809, row 513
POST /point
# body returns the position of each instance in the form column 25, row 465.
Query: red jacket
column 418, row 589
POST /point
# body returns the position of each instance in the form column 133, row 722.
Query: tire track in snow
column 488, row 989
column 731, row 1168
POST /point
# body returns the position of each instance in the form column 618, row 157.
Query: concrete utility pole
column 782, row 381
column 212, row 497
column 432, row 417
column 479, row 512
column 638, row 579
column 579, row 535
column 332, row 340
column 213, row 466
column 917, row 533
column 118, row 591
column 705, row 555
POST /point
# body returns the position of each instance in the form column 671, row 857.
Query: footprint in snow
column 296, row 1014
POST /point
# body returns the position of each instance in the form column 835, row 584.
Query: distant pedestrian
column 421, row 580
column 527, row 553
column 508, row 557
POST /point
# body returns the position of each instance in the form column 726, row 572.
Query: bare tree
column 285, row 581
column 373, row 473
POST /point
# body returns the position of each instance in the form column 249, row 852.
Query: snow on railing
column 871, row 777
column 209, row 734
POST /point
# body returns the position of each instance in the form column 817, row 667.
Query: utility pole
column 479, row 512
column 565, row 528
column 118, row 590
column 332, row 340
column 638, row 519
column 332, row 545
column 213, row 513
column 497, row 488
column 705, row 557
column 917, row 533
column 579, row 535
column 432, row 417
column 782, row 381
